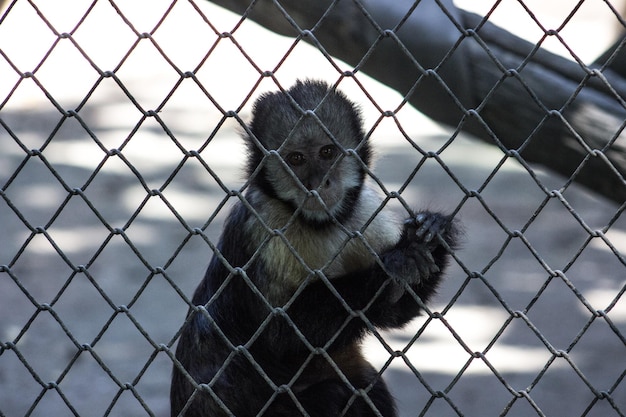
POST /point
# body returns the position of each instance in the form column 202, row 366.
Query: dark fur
column 257, row 338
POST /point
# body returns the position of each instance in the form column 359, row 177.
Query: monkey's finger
column 419, row 218
column 426, row 264
column 425, row 231
column 426, row 254
column 424, row 271
column 429, row 263
column 429, row 236
column 424, row 251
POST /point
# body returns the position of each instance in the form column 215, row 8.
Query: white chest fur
column 291, row 251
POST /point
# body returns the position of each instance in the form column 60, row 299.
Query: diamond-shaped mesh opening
column 120, row 159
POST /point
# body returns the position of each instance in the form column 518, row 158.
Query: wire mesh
column 119, row 158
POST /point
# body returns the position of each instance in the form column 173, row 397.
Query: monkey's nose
column 317, row 184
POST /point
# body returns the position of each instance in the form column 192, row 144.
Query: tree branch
column 463, row 71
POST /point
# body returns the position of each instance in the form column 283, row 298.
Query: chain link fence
column 119, row 151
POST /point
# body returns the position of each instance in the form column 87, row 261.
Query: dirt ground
column 100, row 213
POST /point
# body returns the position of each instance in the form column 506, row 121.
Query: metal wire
column 16, row 277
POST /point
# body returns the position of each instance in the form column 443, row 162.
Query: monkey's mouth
column 312, row 202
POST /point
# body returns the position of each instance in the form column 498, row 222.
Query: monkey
column 307, row 264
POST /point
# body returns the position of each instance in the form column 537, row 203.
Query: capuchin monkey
column 308, row 263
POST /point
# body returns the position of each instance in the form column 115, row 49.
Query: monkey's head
column 317, row 150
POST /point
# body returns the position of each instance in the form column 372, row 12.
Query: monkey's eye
column 295, row 159
column 328, row 152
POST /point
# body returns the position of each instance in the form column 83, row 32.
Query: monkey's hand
column 419, row 257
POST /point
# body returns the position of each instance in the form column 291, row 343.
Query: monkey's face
column 315, row 175
column 317, row 150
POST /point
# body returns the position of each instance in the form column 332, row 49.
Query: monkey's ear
column 256, row 133
column 261, row 110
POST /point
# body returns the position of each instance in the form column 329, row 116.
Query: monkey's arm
column 229, row 292
column 327, row 310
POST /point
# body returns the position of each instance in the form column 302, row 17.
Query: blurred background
column 100, row 196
